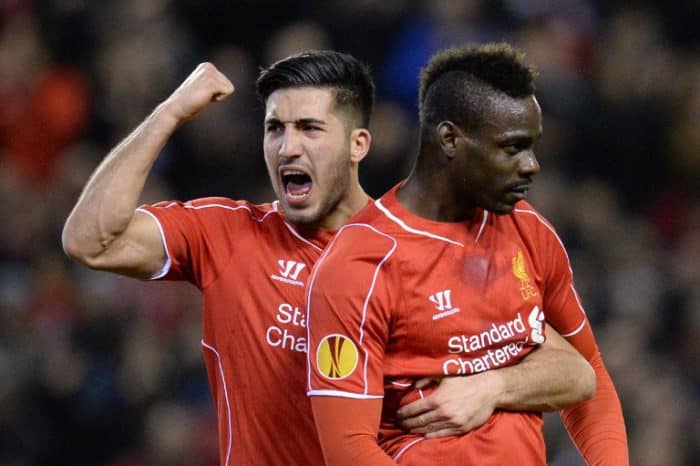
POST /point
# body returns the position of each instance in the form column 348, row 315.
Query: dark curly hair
column 456, row 83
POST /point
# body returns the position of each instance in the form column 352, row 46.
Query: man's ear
column 447, row 134
column 360, row 141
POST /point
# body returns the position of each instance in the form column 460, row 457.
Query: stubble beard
column 337, row 186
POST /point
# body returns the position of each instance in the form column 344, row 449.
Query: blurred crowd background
column 100, row 370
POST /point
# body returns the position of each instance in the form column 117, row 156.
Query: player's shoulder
column 223, row 207
column 364, row 238
column 527, row 218
column 356, row 252
column 369, row 225
column 226, row 205
column 525, row 213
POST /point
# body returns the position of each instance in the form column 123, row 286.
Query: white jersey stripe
column 403, row 225
column 546, row 224
column 310, row 287
column 364, row 307
column 258, row 219
column 228, row 207
column 549, row 227
column 298, row 236
column 483, row 225
column 228, row 406
column 406, row 447
column 578, row 329
column 342, row 394
column 274, row 210
column 369, row 295
column 168, row 262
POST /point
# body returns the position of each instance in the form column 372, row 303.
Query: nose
column 291, row 144
column 529, row 164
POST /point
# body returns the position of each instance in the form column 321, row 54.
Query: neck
column 428, row 193
column 353, row 202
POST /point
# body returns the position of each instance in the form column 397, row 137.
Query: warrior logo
column 443, row 303
column 290, row 269
column 289, row 272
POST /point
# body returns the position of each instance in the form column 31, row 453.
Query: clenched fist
column 204, row 85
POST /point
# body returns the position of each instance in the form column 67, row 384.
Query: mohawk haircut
column 348, row 77
column 458, row 83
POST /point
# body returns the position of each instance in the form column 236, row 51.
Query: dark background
column 101, row 370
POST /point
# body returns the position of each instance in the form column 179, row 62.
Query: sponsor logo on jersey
column 289, row 272
column 527, row 291
column 287, row 332
column 443, row 303
column 336, row 357
column 536, row 319
column 496, row 345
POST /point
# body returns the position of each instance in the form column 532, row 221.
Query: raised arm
column 103, row 231
column 550, row 378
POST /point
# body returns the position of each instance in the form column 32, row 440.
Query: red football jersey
column 251, row 267
column 396, row 297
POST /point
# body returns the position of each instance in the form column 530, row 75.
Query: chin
column 503, row 209
column 305, row 216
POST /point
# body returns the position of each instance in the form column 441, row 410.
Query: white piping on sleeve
column 168, row 262
column 561, row 244
column 578, row 329
column 312, row 281
column 369, row 295
column 343, row 394
column 228, row 207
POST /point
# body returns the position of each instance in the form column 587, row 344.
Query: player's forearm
column 547, row 380
column 347, row 430
column 107, row 203
column 597, row 426
column 357, row 450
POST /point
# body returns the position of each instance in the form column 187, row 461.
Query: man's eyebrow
column 519, row 136
column 300, row 121
column 309, row 121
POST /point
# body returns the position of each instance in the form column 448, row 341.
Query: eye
column 515, row 147
column 311, row 127
column 272, row 128
column 511, row 149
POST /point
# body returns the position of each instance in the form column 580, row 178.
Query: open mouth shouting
column 297, row 185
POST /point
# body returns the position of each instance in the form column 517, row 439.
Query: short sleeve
column 349, row 306
column 199, row 236
column 561, row 303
